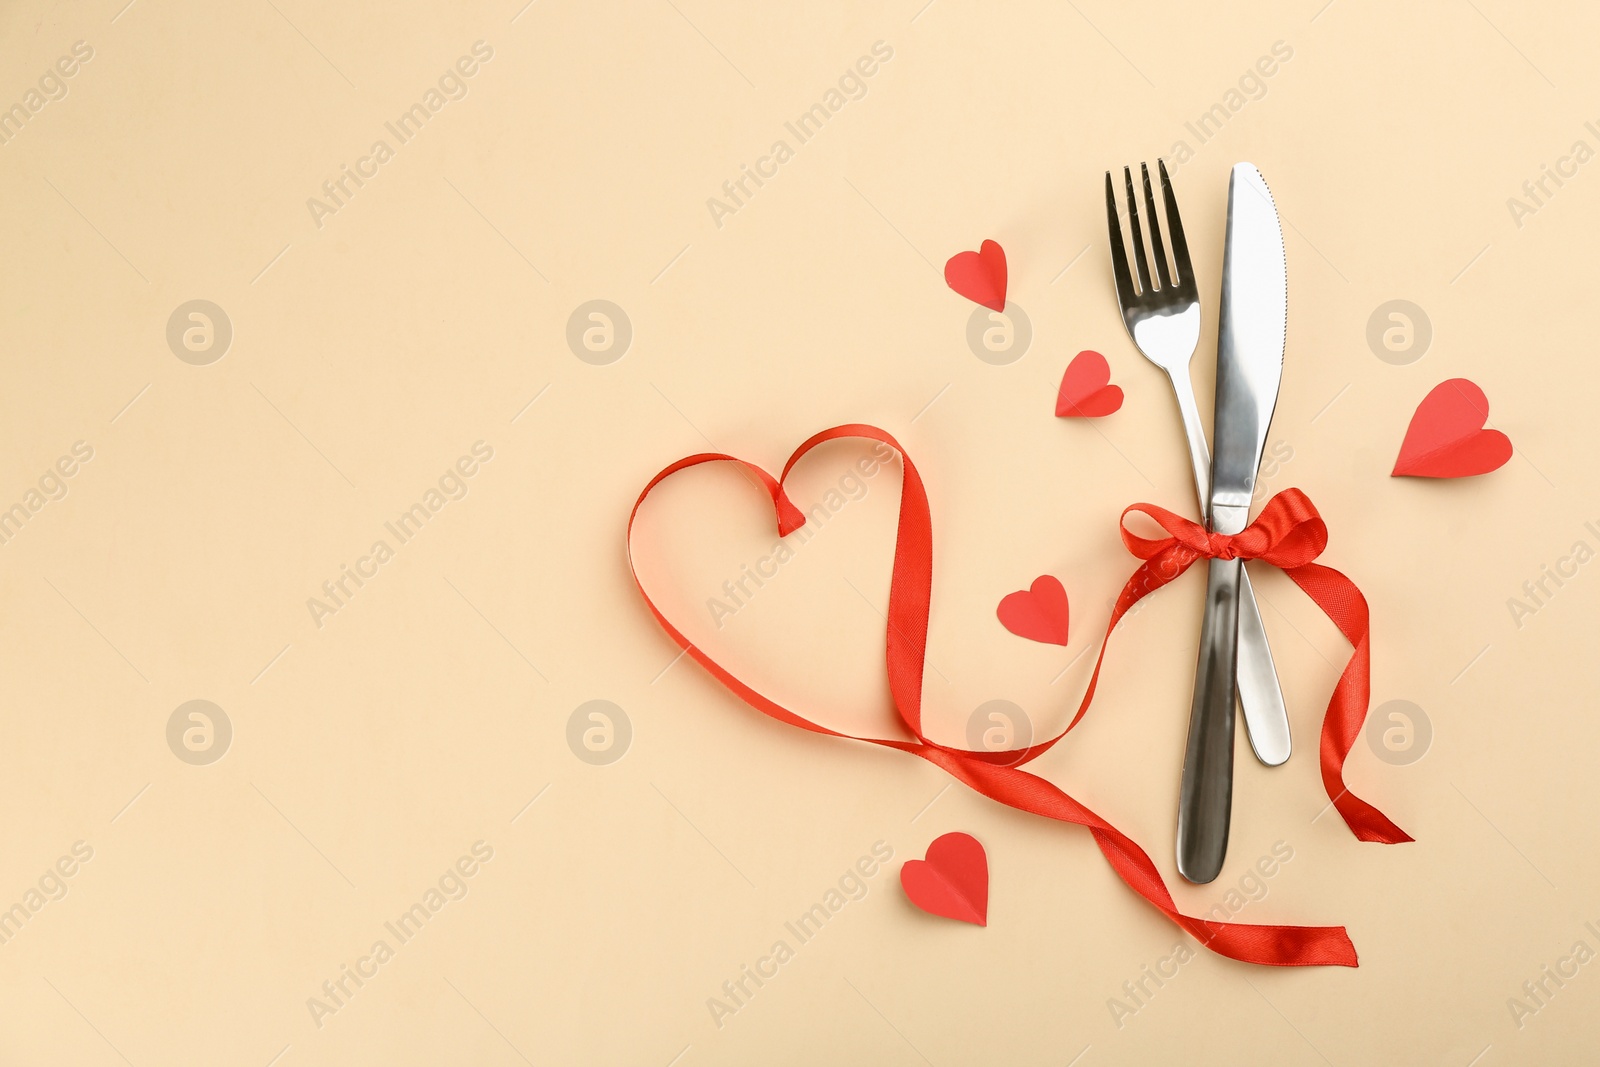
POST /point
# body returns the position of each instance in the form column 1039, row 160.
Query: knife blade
column 1253, row 322
column 1253, row 325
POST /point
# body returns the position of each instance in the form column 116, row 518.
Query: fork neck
column 1195, row 431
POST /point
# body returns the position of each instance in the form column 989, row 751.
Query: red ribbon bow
column 1289, row 534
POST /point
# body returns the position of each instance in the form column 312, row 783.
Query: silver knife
column 1253, row 320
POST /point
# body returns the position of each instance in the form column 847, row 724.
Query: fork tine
column 1139, row 260
column 1180, row 247
column 1156, row 250
column 1119, row 255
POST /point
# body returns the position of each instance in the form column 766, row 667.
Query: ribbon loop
column 1288, row 534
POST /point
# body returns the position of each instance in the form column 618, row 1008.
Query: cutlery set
column 1162, row 315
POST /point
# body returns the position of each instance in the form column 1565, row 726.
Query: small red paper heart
column 952, row 882
column 1086, row 392
column 1446, row 438
column 1039, row 613
column 979, row 276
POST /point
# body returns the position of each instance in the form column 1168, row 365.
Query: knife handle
column 1205, row 797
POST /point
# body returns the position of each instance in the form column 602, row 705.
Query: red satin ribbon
column 1289, row 534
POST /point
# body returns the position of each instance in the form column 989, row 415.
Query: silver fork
column 1164, row 322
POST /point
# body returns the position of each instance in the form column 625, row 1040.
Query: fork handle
column 1195, row 431
column 1266, row 719
column 1205, row 798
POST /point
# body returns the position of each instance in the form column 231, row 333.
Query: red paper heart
column 952, row 882
column 1446, row 438
column 979, row 276
column 1038, row 613
column 1085, row 390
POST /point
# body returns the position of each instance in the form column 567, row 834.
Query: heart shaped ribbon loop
column 1289, row 534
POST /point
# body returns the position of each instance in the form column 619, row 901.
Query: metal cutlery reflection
column 1164, row 322
column 1252, row 324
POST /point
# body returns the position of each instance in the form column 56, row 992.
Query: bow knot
column 1220, row 546
column 1288, row 533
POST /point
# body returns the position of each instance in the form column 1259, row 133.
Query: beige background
column 425, row 315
